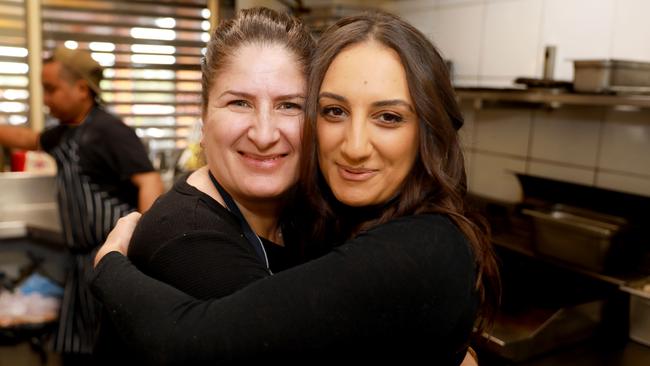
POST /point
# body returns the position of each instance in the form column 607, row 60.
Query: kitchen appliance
column 611, row 76
column 575, row 235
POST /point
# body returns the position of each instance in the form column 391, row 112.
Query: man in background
column 103, row 172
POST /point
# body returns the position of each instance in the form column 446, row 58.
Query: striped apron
column 87, row 216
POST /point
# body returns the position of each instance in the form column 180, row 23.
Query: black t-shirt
column 109, row 152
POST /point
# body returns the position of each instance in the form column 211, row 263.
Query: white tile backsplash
column 510, row 38
column 626, row 142
column 631, row 30
column 562, row 173
column 494, row 177
column 623, row 183
column 503, row 131
column 568, row 135
column 461, row 47
column 580, row 29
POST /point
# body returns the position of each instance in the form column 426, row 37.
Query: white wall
column 491, row 42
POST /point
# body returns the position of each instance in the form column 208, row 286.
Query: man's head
column 70, row 84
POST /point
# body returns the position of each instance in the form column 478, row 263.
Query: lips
column 269, row 161
column 355, row 174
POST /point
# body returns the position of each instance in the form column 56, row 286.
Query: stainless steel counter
column 28, row 207
column 552, row 98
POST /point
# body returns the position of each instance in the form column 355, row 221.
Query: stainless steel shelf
column 551, row 98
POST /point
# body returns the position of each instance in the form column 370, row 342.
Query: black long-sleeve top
column 191, row 242
column 402, row 291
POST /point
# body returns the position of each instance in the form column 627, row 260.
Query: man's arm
column 150, row 186
column 19, row 137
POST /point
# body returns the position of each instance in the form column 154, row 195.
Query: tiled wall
column 491, row 42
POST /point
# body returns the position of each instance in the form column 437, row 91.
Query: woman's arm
column 407, row 283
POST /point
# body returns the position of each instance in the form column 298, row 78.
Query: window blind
column 150, row 50
column 14, row 82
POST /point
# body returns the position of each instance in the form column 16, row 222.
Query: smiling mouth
column 262, row 157
column 262, row 161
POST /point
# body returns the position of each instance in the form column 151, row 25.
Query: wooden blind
column 14, row 94
column 150, row 50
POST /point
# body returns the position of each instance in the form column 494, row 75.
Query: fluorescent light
column 166, row 22
column 153, row 59
column 153, row 33
column 13, row 51
column 71, row 44
column 149, row 48
column 13, row 94
column 12, row 107
column 153, row 109
column 17, row 120
column 14, row 67
column 102, row 46
column 104, row 59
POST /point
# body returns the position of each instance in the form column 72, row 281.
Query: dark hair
column 253, row 26
column 437, row 182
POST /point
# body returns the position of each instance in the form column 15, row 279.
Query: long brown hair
column 437, row 182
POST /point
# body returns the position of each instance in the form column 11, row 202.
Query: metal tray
column 574, row 235
column 611, row 76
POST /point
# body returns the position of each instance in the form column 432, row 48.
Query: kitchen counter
column 28, row 208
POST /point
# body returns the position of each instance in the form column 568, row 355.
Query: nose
column 264, row 131
column 356, row 145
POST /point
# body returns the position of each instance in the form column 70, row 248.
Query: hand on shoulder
column 118, row 239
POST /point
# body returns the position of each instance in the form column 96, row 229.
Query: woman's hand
column 118, row 239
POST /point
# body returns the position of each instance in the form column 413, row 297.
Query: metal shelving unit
column 483, row 97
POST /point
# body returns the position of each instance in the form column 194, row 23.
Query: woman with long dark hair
column 409, row 271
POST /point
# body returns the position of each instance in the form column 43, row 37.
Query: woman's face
column 253, row 122
column 367, row 128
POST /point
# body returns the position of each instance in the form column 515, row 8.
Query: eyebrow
column 251, row 96
column 381, row 103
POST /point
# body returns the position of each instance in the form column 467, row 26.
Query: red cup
column 18, row 161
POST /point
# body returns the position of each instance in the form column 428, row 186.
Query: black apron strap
column 250, row 235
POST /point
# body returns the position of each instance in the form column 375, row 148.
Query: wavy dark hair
column 437, row 182
column 253, row 26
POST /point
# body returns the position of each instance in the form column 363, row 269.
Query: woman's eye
column 334, row 112
column 239, row 103
column 390, row 118
column 291, row 106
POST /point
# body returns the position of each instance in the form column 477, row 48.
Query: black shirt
column 109, row 153
column 188, row 240
column 401, row 292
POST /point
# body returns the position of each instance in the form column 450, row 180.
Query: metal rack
column 543, row 98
